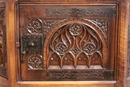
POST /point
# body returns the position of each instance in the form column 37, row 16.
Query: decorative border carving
column 102, row 24
column 76, row 0
column 81, row 12
column 80, row 75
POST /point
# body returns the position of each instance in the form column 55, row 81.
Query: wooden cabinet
column 67, row 43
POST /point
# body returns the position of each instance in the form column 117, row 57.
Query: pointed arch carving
column 75, row 37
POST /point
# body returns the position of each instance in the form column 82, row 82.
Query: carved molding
column 77, row 0
column 81, row 12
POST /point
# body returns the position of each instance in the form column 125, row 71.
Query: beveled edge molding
column 66, row 82
column 75, row 0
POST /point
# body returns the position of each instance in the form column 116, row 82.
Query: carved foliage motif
column 48, row 24
column 80, row 12
column 102, row 24
column 84, row 75
column 74, row 42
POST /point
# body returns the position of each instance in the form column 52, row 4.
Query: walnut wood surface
column 120, row 53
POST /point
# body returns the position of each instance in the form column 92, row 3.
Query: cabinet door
column 66, row 42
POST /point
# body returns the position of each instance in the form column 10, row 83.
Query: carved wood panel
column 66, row 43
column 76, row 42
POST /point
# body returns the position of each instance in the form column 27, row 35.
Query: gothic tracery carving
column 76, row 40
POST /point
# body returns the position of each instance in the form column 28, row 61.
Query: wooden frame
column 121, row 51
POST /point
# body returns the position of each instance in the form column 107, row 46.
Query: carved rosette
column 60, row 48
column 34, row 26
column 75, row 29
column 35, row 62
column 76, row 41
